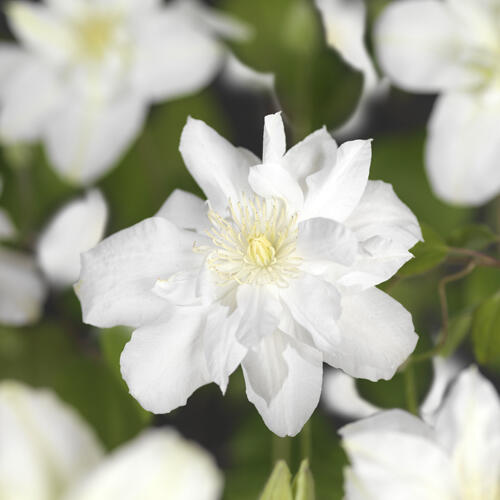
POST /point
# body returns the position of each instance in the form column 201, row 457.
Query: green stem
column 411, row 390
column 306, row 441
column 281, row 449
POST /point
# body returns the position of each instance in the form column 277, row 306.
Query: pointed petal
column 335, row 191
column 76, row 228
column 185, row 210
column 274, row 139
column 158, row 463
column 463, row 147
column 376, row 336
column 283, row 380
column 118, row 275
column 164, row 362
column 22, row 290
column 219, row 168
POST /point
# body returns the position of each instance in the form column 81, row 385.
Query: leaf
column 486, row 333
column 314, row 86
column 474, row 237
column 458, row 329
column 278, row 485
column 428, row 254
column 303, row 483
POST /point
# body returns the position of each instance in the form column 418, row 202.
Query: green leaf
column 278, row 485
column 486, row 333
column 428, row 254
column 314, row 86
column 474, row 237
column 303, row 483
column 458, row 329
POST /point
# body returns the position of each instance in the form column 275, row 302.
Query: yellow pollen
column 95, row 34
column 261, row 251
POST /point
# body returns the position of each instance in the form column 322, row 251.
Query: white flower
column 345, row 26
column 276, row 272
column 85, row 73
column 453, row 456
column 341, row 397
column 450, row 47
column 22, row 290
column 46, row 446
column 76, row 228
column 49, row 452
column 157, row 465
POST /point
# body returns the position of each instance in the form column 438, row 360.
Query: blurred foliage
column 486, row 333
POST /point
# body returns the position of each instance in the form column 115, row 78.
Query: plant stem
column 411, row 390
column 306, row 441
column 281, row 449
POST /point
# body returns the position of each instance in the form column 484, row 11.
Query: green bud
column 278, row 486
column 303, row 484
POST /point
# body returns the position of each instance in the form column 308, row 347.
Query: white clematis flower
column 450, row 47
column 86, row 71
column 49, row 452
column 344, row 22
column 455, row 455
column 76, row 228
column 22, row 290
column 276, row 272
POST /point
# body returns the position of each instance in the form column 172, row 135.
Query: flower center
column 95, row 34
column 255, row 244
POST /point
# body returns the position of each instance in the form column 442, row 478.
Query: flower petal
column 76, row 228
column 164, row 362
column 22, row 290
column 376, row 336
column 274, row 143
column 174, row 56
column 46, row 445
column 418, row 44
column 283, row 380
column 325, row 239
column 315, row 304
column 468, row 426
column 86, row 138
column 335, row 190
column 158, row 463
column 185, row 210
column 118, row 275
column 463, row 147
column 219, row 168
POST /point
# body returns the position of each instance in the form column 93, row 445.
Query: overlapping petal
column 185, row 210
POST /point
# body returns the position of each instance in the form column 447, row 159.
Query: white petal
column 174, row 57
column 274, row 139
column 335, row 190
column 238, row 75
column 158, row 464
column 69, row 8
column 283, row 380
column 164, row 362
column 271, row 180
column 118, row 275
column 386, row 229
column 325, row 239
column 180, row 288
column 468, row 426
column 419, row 46
column 392, row 456
column 260, row 313
column 315, row 304
column 219, row 168
column 87, row 138
column 463, row 146
column 314, row 153
column 46, row 445
column 76, row 228
column 22, row 290
column 29, row 96
column 41, row 30
column 376, row 336
column 185, row 210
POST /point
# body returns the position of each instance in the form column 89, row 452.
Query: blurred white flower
column 450, row 47
column 157, row 465
column 48, row 452
column 76, row 228
column 238, row 75
column 344, row 22
column 453, row 455
column 85, row 73
column 277, row 271
column 341, row 397
column 45, row 445
column 22, row 290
